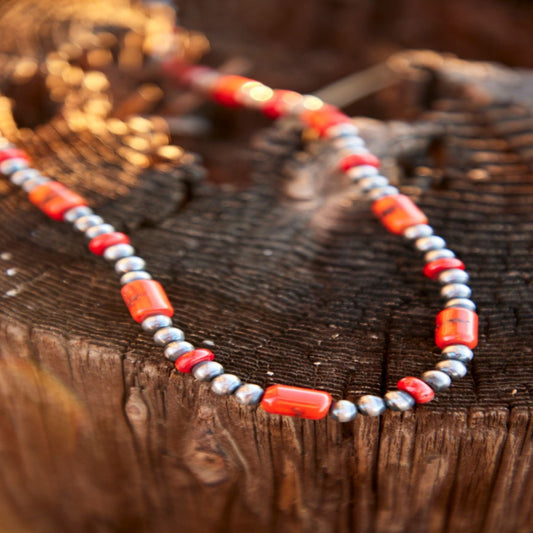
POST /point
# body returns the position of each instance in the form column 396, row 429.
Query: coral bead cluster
column 148, row 304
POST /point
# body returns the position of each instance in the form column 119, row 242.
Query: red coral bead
column 13, row 153
column 456, row 325
column 355, row 160
column 54, row 199
column 398, row 212
column 418, row 389
column 99, row 244
column 434, row 268
column 144, row 298
column 186, row 362
column 296, row 401
column 226, row 89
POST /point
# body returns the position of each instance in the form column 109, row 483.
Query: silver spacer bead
column 207, row 370
column 348, row 145
column 437, row 380
column 433, row 255
column 465, row 303
column 168, row 334
column 341, row 130
column 118, row 251
column 455, row 290
column 460, row 352
column 412, row 233
column 453, row 275
column 367, row 184
column 308, row 102
column 398, row 400
column 362, row 171
column 176, row 349
column 454, row 368
column 101, row 229
column 33, row 183
column 21, row 176
column 9, row 166
column 225, row 384
column 376, row 194
column 343, row 411
column 371, row 405
column 434, row 242
column 134, row 275
column 77, row 212
column 129, row 264
column 249, row 394
column 88, row 221
column 152, row 323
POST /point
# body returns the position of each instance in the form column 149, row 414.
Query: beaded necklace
column 148, row 304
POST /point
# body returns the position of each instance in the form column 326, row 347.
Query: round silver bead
column 367, row 184
column 77, row 212
column 454, row 368
column 397, row 400
column 134, row 275
column 249, row 394
column 371, row 405
column 343, row 411
column 225, row 384
column 453, row 275
column 168, row 334
column 347, row 142
column 437, row 380
column 118, row 251
column 460, row 352
column 207, row 370
column 465, row 303
column 434, row 242
column 21, row 176
column 129, row 264
column 376, row 194
column 341, row 130
column 362, row 171
column 412, row 233
column 88, row 221
column 9, row 166
column 152, row 323
column 442, row 253
column 455, row 290
column 176, row 349
column 32, row 183
column 101, row 229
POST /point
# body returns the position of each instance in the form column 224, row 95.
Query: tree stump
column 280, row 265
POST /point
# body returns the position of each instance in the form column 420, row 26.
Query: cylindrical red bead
column 296, row 401
column 226, row 89
column 325, row 117
column 276, row 106
column 99, row 244
column 13, row 153
column 398, row 212
column 186, row 362
column 355, row 160
column 418, row 389
column 144, row 298
column 456, row 325
column 434, row 268
column 54, row 199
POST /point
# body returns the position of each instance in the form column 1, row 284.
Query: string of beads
column 456, row 325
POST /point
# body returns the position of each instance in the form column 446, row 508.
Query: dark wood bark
column 292, row 279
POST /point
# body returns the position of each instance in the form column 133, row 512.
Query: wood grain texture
column 281, row 265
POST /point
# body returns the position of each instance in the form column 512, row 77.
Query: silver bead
column 88, row 221
column 152, row 323
column 433, row 255
column 453, row 275
column 454, row 368
column 129, row 264
column 206, row 80
column 398, row 400
column 412, row 233
column 249, row 394
column 118, row 251
column 348, row 143
column 367, row 184
column 9, row 166
column 168, row 334
column 134, row 275
column 343, row 411
column 465, row 303
column 32, row 183
column 176, row 349
column 307, row 102
column 341, row 130
column 362, row 171
column 437, row 380
column 101, row 229
column 460, row 352
column 370, row 405
column 207, row 370
column 434, row 242
column 376, row 194
column 20, row 176
column 77, row 212
column 455, row 290
column 225, row 384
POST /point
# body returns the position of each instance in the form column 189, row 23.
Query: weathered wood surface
column 295, row 282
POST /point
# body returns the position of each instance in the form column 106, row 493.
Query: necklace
column 148, row 304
